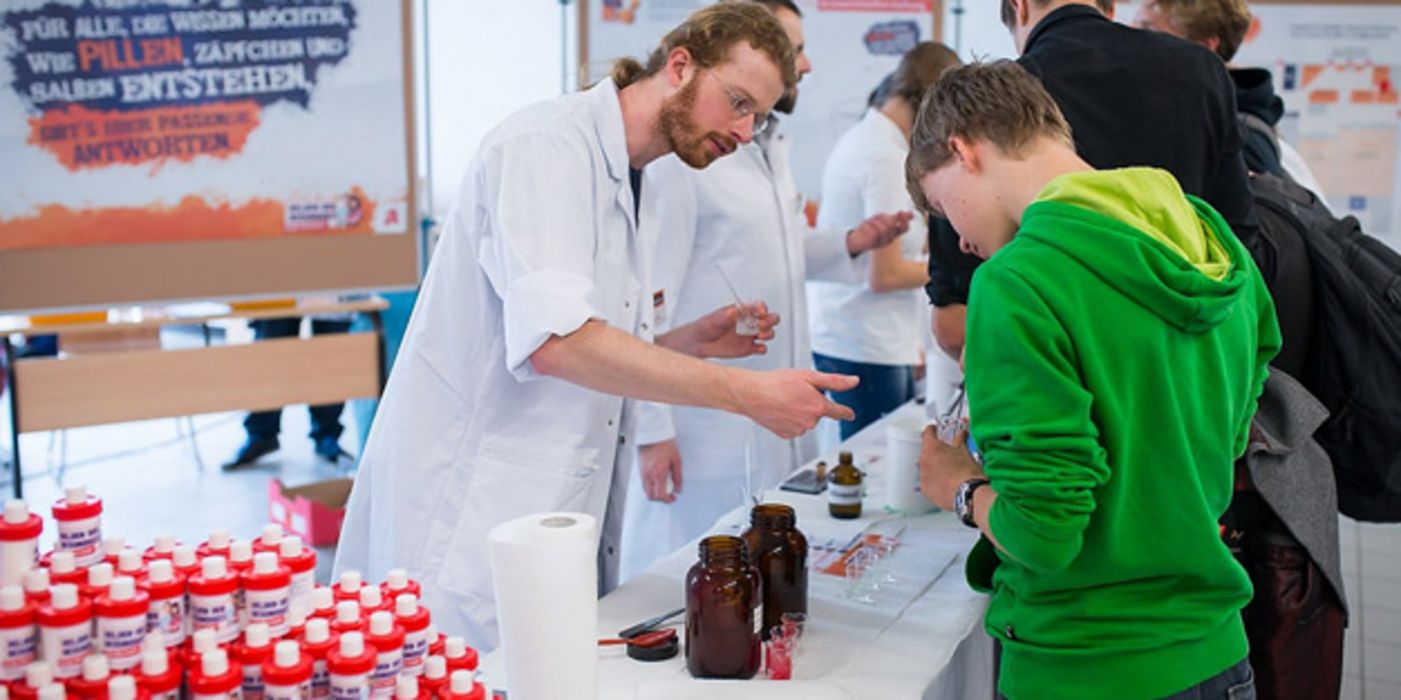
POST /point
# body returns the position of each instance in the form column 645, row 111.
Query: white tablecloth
column 916, row 643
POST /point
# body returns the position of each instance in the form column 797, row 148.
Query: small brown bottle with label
column 844, row 489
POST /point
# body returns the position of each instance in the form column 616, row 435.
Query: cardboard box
column 313, row 511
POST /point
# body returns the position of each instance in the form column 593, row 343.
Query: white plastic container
column 19, row 635
column 19, row 541
column 65, row 631
column 121, row 623
column 79, row 518
column 212, row 600
column 904, row 440
column 267, row 592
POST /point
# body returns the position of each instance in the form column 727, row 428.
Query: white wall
column 486, row 59
column 979, row 34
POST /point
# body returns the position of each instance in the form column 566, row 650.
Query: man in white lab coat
column 509, row 396
column 740, row 222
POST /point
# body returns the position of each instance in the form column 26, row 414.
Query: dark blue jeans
column 1235, row 683
column 883, row 388
column 325, row 420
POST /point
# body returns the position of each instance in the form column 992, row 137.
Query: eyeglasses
column 741, row 105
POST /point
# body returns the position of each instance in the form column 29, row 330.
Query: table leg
column 16, row 472
column 377, row 322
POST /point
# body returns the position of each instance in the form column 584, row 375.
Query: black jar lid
column 654, row 646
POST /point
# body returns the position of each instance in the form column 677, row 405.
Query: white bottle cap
column 462, row 682
column 219, row 539
column 257, row 635
column 36, row 580
column 38, row 674
column 163, row 543
column 370, row 597
column 95, row 667
column 214, row 662
column 322, row 598
column 112, row 546
column 153, row 641
column 317, row 630
column 16, row 512
column 290, row 546
column 241, row 551
column 272, row 534
column 406, row 604
column 351, row 581
column 264, row 563
column 52, row 691
column 129, row 560
column 286, row 654
column 11, row 598
column 64, row 596
column 100, row 574
column 62, row 562
column 347, row 611
column 204, row 640
column 296, row 615
column 435, row 667
column 432, row 632
column 183, row 556
column 454, row 647
column 406, row 687
column 381, row 623
column 213, row 567
column 121, row 688
column 123, row 588
column 75, row 495
column 397, row 580
column 154, row 663
column 352, row 644
column 160, row 571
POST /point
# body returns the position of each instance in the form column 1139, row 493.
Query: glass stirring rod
column 747, row 324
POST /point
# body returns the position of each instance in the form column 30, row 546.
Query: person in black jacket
column 1132, row 98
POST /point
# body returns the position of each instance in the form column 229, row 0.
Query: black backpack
column 1350, row 285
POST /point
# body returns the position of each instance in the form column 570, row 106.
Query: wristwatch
column 963, row 500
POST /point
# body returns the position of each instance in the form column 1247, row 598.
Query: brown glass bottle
column 722, row 594
column 844, row 489
column 780, row 553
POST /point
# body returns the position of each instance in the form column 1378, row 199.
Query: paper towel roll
column 545, row 570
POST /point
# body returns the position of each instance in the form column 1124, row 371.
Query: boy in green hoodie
column 1118, row 337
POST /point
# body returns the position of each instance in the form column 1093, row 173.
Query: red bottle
column 79, row 518
column 463, row 686
column 435, row 675
column 36, row 676
column 415, row 620
column 19, row 635
column 398, row 583
column 267, row 593
column 323, row 604
column 125, row 688
column 65, row 631
column 437, row 641
column 270, row 540
column 130, row 563
column 460, row 657
column 301, row 561
column 216, row 546
column 158, row 677
column 185, row 561
column 350, row 664
column 92, row 685
column 199, row 644
column 98, row 580
column 213, row 603
column 250, row 653
column 162, row 548
column 121, row 623
column 63, row 568
column 112, row 547
column 216, row 678
column 372, row 600
column 317, row 643
column 19, row 541
column 348, row 587
column 36, row 586
column 387, row 637
column 169, row 607
column 407, row 688
column 287, row 676
column 348, row 618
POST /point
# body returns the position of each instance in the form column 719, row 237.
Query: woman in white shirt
column 873, row 330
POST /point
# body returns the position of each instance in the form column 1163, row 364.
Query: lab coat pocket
column 512, row 477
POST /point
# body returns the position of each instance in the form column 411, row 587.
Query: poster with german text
column 143, row 121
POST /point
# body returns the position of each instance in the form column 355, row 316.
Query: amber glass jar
column 844, row 489
column 780, row 553
column 722, row 599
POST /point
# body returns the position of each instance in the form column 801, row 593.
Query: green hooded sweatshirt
column 1115, row 351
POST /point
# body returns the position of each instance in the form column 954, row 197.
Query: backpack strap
column 1253, row 124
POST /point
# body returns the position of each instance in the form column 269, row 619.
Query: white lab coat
column 744, row 214
column 468, row 435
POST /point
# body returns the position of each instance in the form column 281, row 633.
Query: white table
column 932, row 647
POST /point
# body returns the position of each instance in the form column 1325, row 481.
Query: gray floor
column 151, row 483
